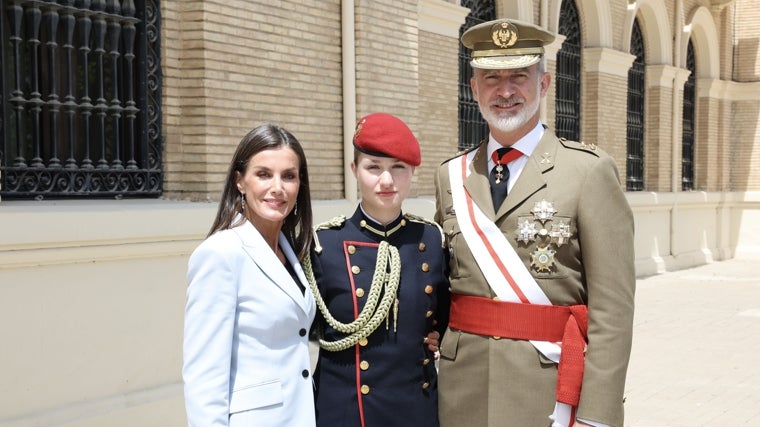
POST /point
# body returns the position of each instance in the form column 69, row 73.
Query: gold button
column 403, row 222
column 360, row 292
column 351, row 249
column 425, row 267
column 429, row 313
column 428, row 289
column 364, row 365
column 363, row 342
column 496, row 298
column 496, row 338
column 365, row 389
column 426, row 361
column 425, row 385
column 363, row 223
column 355, row 269
column 422, row 247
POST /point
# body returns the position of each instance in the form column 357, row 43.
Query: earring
column 295, row 209
column 242, row 202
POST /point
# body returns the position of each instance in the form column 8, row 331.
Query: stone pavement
column 696, row 347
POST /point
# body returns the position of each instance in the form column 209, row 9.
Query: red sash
column 568, row 324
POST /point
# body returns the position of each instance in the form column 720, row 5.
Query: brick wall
column 438, row 130
column 229, row 66
column 232, row 65
column 746, row 41
column 658, row 148
column 387, row 62
column 604, row 112
column 745, row 156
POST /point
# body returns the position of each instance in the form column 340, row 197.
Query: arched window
column 80, row 107
column 687, row 144
column 472, row 127
column 635, row 121
column 568, row 75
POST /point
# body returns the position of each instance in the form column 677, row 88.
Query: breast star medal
column 526, row 230
column 560, row 233
column 542, row 259
column 543, row 210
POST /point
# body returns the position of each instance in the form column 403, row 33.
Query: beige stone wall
column 232, row 65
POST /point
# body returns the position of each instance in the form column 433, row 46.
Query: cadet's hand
column 432, row 341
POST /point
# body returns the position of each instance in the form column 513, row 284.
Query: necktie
column 499, row 176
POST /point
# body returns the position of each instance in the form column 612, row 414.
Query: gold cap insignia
column 358, row 129
column 504, row 34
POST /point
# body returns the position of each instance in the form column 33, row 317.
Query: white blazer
column 246, row 348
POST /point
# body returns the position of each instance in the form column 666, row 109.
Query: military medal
column 543, row 210
column 526, row 230
column 560, row 233
column 501, row 157
column 542, row 259
column 499, row 170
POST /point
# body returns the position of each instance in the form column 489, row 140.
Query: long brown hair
column 297, row 225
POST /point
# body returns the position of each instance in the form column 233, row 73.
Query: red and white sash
column 505, row 272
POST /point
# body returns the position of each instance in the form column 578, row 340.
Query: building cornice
column 608, row 61
column 440, row 17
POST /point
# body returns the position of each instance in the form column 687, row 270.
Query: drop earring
column 242, row 202
column 295, row 209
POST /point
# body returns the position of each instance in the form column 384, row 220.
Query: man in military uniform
column 382, row 288
column 542, row 263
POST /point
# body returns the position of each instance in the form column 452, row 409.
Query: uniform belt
column 554, row 323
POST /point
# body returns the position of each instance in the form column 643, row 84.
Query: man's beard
column 509, row 122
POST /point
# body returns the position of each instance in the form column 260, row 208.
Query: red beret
column 384, row 135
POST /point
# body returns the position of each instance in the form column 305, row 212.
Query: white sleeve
column 208, row 336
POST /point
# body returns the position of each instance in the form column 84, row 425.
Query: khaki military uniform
column 487, row 381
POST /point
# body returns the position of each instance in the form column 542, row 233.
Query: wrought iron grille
column 472, row 127
column 568, row 88
column 635, row 122
column 81, row 106
column 687, row 144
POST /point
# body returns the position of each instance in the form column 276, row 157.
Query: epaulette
column 416, row 218
column 581, row 146
column 461, row 153
column 336, row 222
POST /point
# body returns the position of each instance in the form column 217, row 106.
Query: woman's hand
column 432, row 341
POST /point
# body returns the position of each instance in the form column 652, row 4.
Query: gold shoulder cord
column 373, row 313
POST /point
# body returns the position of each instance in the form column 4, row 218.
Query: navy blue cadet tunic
column 388, row 379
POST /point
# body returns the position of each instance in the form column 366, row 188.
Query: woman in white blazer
column 249, row 307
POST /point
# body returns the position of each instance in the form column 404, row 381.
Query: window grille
column 472, row 127
column 568, row 75
column 80, row 98
column 687, row 144
column 635, row 122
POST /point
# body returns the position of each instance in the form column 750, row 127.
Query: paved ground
column 696, row 348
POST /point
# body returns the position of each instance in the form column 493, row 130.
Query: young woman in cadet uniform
column 383, row 293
